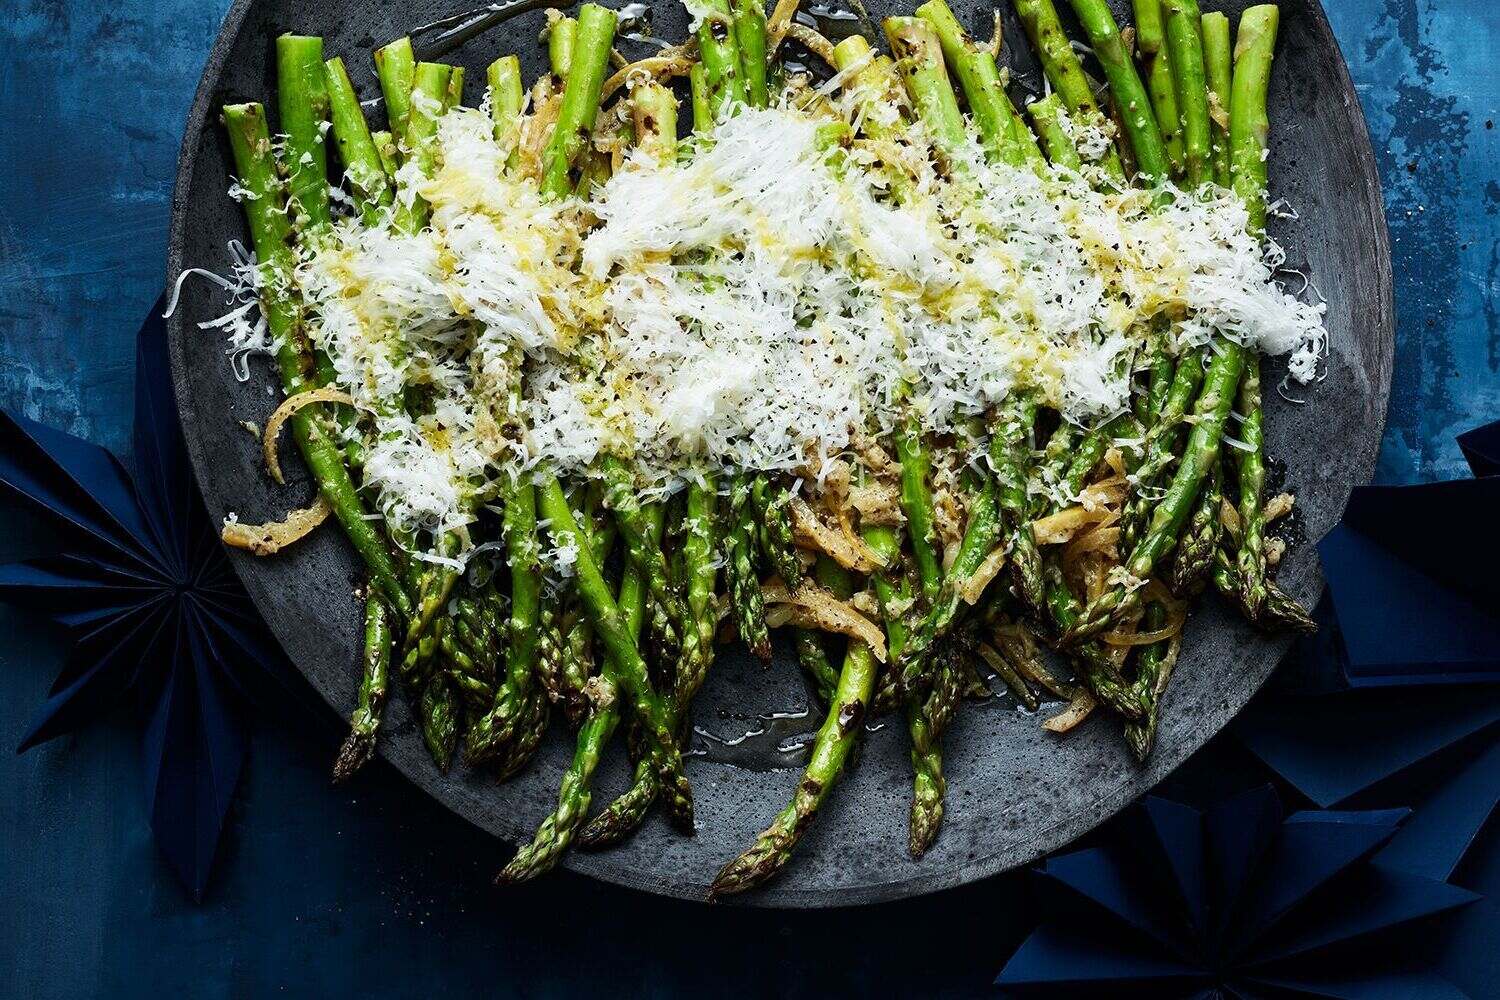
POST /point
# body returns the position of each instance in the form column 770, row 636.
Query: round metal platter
column 1015, row 792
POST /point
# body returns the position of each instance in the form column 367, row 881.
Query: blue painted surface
column 373, row 888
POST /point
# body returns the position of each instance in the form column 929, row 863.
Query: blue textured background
column 373, row 888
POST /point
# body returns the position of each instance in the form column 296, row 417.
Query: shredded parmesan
column 765, row 303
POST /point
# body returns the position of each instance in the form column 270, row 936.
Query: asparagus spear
column 1216, row 60
column 588, row 64
column 1009, row 450
column 371, row 186
column 507, row 96
column 980, row 79
column 835, row 739
column 654, row 110
column 719, row 48
column 1249, row 126
column 557, row 831
column 1194, row 555
column 1065, row 72
column 1152, row 165
column 1162, row 90
column 744, row 583
column 373, row 688
column 1150, row 681
column 1252, row 483
column 1160, row 447
column 562, row 36
column 304, row 105
column 750, row 37
column 250, row 142
column 1210, row 413
column 1046, row 115
column 429, row 91
column 643, row 553
column 656, row 720
column 981, row 534
column 1150, row 32
column 1189, row 77
column 1248, row 129
column 396, row 68
column 490, row 734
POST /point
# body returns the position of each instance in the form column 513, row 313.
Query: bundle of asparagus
column 475, row 291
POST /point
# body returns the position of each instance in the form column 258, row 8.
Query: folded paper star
column 1236, row 900
column 1408, row 646
column 1405, row 575
column 155, row 609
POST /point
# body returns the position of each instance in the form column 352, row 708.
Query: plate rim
column 962, row 872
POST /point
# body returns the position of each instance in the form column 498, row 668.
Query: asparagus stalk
column 1150, row 31
column 1189, row 77
column 1152, row 165
column 588, row 65
column 304, row 105
column 744, row 583
column 368, row 180
column 847, row 710
column 1046, row 115
column 1216, row 60
column 396, row 68
column 1249, row 127
column 1140, row 734
column 507, row 96
column 1162, row 90
column 557, row 831
column 1065, row 72
column 750, row 37
column 980, row 79
column 250, row 143
column 1210, row 413
column 1010, row 447
column 429, row 91
column 373, row 688
column 654, row 111
column 919, row 57
column 1160, row 447
column 719, row 48
column 643, row 553
column 1193, row 558
column 562, row 37
column 490, row 734
column 656, row 719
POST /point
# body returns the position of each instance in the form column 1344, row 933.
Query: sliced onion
column 1054, row 529
column 1078, row 709
column 812, row 40
column 1279, row 506
column 269, row 539
column 845, row 548
column 1022, row 652
column 1099, row 539
column 652, row 67
column 776, row 24
column 284, row 412
column 973, row 588
column 810, row 606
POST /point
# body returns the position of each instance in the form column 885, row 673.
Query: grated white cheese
column 756, row 305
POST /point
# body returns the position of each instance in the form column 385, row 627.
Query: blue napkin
column 1237, row 899
column 1410, row 570
column 154, row 608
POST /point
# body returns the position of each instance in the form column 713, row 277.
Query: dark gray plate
column 1014, row 793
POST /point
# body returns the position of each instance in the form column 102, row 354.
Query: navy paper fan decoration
column 157, row 615
column 1408, row 647
column 1407, row 579
column 1237, row 900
